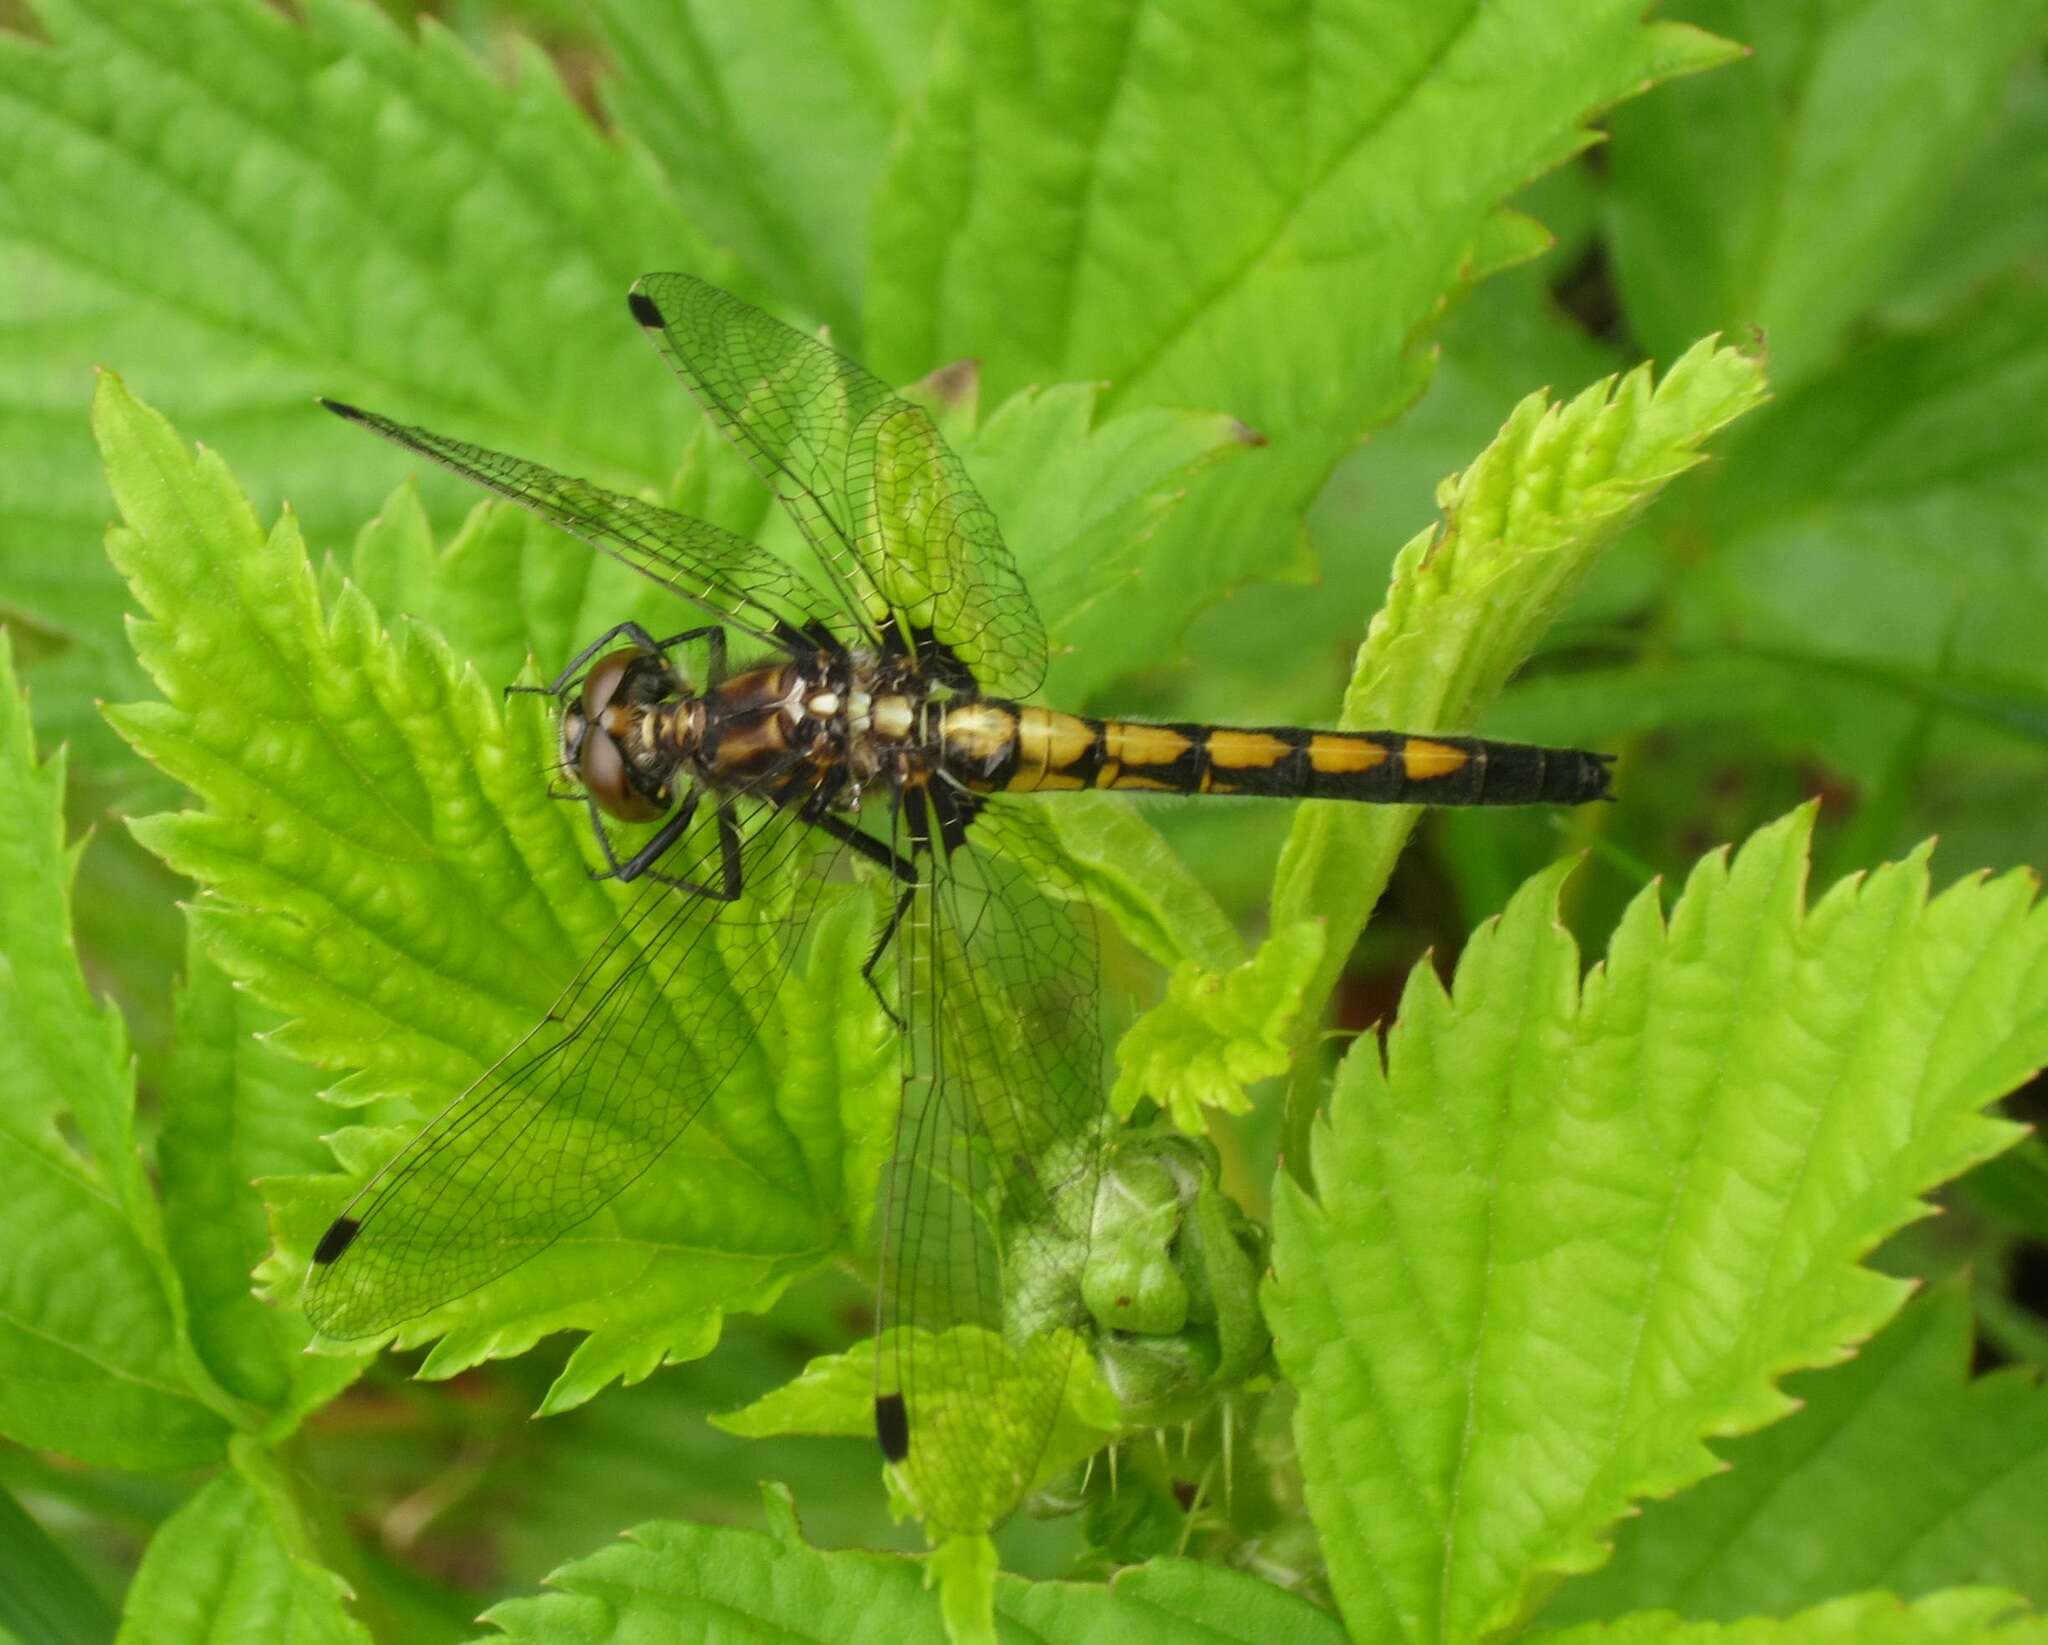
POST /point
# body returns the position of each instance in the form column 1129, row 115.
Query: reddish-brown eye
column 602, row 768
column 601, row 684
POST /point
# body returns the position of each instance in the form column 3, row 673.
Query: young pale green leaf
column 1207, row 206
column 241, row 209
column 1566, row 1234
column 1897, row 1473
column 1783, row 194
column 234, row 1566
column 963, row 1570
column 234, row 1111
column 387, row 869
column 92, row 1357
column 1966, row 1617
column 1471, row 596
column 670, row 1581
column 773, row 138
column 835, row 1394
column 1217, row 1032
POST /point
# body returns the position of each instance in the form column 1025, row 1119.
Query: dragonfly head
column 611, row 733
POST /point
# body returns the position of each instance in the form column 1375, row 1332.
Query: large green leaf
column 386, row 869
column 92, row 1357
column 1898, row 1472
column 1916, row 476
column 1566, row 1234
column 689, row 1581
column 1207, row 206
column 773, row 138
column 1966, row 1617
column 1783, row 193
column 241, row 209
column 235, row 1566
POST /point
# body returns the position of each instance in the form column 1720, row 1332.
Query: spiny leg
column 905, row 870
column 712, row 633
column 640, row 864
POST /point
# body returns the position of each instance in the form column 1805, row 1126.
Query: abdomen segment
column 1005, row 747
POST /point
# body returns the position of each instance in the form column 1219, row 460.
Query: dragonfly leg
column 905, row 870
column 641, row 863
column 560, row 683
column 712, row 632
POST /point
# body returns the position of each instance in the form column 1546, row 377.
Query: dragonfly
column 864, row 699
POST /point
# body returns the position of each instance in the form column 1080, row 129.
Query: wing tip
column 892, row 1427
column 644, row 309
column 341, row 1234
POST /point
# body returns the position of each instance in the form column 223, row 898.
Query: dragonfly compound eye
column 602, row 683
column 601, row 766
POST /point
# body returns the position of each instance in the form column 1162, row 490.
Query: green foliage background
column 1245, row 285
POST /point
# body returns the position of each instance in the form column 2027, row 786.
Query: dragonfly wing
column 585, row 1103
column 896, row 524
column 988, row 1204
column 725, row 575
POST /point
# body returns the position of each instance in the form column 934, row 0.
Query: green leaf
column 2014, row 1188
column 1472, row 595
column 1916, row 475
column 385, row 868
column 963, row 1569
column 1132, row 875
column 234, row 1565
column 1898, row 1472
column 669, row 1581
column 503, row 589
column 835, row 1394
column 1206, row 207
column 1087, row 502
column 92, row 1360
column 1568, row 1233
column 1993, row 221
column 1966, row 1617
column 241, row 210
column 46, row 1599
column 233, row 1111
column 1782, row 194
column 773, row 138
column 1217, row 1032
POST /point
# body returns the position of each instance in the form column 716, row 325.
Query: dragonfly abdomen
column 995, row 746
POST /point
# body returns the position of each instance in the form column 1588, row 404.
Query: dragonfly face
column 882, row 716
column 626, row 730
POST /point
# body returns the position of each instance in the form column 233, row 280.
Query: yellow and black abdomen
column 994, row 746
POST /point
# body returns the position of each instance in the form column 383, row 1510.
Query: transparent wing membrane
column 890, row 512
column 988, row 1203
column 578, row 1110
column 722, row 574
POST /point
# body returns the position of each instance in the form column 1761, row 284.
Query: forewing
column 988, row 1203
column 573, row 1114
column 896, row 524
column 725, row 575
